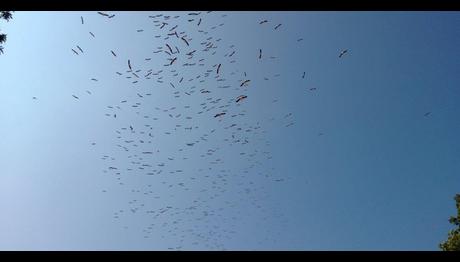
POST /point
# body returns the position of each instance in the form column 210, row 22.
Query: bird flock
column 216, row 156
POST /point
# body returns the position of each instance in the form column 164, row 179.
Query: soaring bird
column 170, row 50
column 262, row 22
column 103, row 14
column 343, row 52
column 276, row 27
column 172, row 60
column 34, row 98
column 239, row 98
column 303, row 76
column 191, row 53
column 218, row 68
column 82, row 22
column 427, row 113
column 220, row 114
column 185, row 40
column 260, row 53
column 129, row 65
column 199, row 22
column 92, row 34
column 75, row 96
column 111, row 16
column 113, row 53
column 79, row 49
column 75, row 51
column 245, row 82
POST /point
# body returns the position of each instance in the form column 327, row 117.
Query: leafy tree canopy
column 453, row 239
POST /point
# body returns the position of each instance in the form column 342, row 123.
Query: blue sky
column 381, row 176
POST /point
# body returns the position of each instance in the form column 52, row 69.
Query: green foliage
column 453, row 240
column 6, row 15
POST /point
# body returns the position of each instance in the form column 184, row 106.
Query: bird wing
column 184, row 40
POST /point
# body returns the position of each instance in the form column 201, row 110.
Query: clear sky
column 344, row 158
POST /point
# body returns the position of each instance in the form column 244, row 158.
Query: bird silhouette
column 343, row 53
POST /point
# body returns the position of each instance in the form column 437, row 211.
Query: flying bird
column 170, row 50
column 129, row 65
column 82, row 22
column 303, row 76
column 276, row 27
column 427, row 113
column 172, row 60
column 218, row 68
column 75, row 51
column 245, row 82
column 75, row 96
column 185, row 40
column 191, row 53
column 111, row 16
column 239, row 98
column 220, row 114
column 92, row 34
column 113, row 53
column 79, row 49
column 260, row 53
column 103, row 14
column 262, row 22
column 343, row 52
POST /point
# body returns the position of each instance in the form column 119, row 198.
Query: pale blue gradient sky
column 382, row 177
